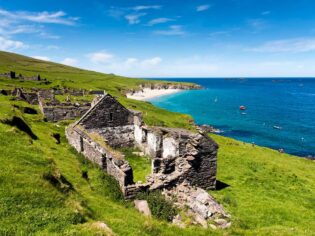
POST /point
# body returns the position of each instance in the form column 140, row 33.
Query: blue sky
column 159, row 38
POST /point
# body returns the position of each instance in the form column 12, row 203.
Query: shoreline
column 147, row 93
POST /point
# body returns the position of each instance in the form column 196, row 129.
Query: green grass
column 268, row 194
column 141, row 165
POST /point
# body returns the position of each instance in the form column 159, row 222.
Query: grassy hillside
column 65, row 76
column 48, row 189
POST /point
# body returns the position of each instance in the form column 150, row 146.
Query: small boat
column 242, row 108
column 244, row 113
column 277, row 127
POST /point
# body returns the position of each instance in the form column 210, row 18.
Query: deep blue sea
column 280, row 112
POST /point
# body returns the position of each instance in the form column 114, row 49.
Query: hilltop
column 267, row 193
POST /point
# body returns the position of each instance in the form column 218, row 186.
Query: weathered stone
column 198, row 202
column 143, row 207
column 178, row 222
column 203, row 197
column 200, row 209
column 104, row 227
column 225, row 226
column 220, row 221
column 200, row 220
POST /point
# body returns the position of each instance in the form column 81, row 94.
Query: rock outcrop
column 200, row 204
column 164, row 85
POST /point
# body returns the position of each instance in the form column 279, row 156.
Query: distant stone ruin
column 13, row 75
column 52, row 109
column 31, row 96
column 55, row 110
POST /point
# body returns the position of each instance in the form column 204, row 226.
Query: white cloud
column 18, row 29
column 140, row 8
column 52, row 47
column 134, row 18
column 174, row 30
column 131, row 62
column 159, row 21
column 203, row 7
column 131, row 66
column 203, row 67
column 14, row 28
column 58, row 17
column 100, row 57
column 24, row 22
column 48, row 36
column 43, row 58
column 152, row 61
column 69, row 61
column 8, row 44
column 296, row 45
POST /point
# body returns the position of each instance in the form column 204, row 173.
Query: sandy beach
column 147, row 93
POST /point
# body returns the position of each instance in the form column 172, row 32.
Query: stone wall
column 117, row 137
column 108, row 113
column 179, row 154
column 62, row 112
column 29, row 97
column 108, row 160
column 46, row 95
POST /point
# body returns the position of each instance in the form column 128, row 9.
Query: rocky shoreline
column 149, row 91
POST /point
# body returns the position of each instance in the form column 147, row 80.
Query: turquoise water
column 280, row 112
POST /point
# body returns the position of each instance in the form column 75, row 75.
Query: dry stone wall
column 178, row 153
column 108, row 113
column 63, row 112
column 108, row 160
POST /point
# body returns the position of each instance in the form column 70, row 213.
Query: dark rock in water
column 309, row 157
column 209, row 129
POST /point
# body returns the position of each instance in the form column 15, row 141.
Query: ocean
column 280, row 113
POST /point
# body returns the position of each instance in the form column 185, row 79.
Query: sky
column 166, row 38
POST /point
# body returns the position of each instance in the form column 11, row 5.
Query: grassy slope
column 65, row 76
column 269, row 193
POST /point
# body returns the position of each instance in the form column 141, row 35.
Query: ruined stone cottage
column 177, row 155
